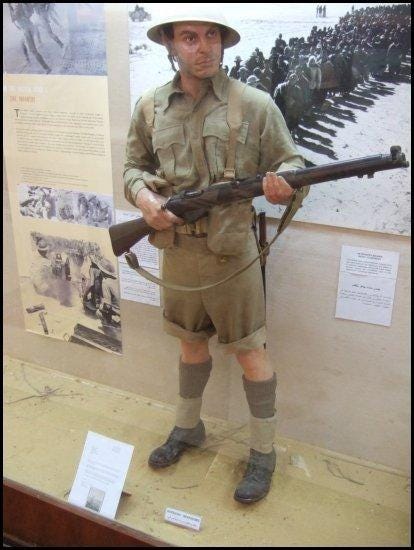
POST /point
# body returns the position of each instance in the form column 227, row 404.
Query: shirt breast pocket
column 216, row 137
column 247, row 152
column 170, row 147
column 216, row 141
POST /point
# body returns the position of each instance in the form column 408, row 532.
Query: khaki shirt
column 187, row 145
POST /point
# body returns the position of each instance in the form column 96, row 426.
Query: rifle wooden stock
column 191, row 205
column 124, row 235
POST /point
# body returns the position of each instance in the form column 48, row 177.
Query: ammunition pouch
column 228, row 228
column 162, row 239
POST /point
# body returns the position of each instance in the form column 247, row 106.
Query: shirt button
column 222, row 259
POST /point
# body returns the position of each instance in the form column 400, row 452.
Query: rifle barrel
column 191, row 205
column 226, row 192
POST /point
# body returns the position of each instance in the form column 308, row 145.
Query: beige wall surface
column 342, row 385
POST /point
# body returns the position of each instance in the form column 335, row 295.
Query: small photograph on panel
column 72, row 292
column 94, row 210
column 54, row 38
column 95, row 499
column 38, row 202
column 66, row 206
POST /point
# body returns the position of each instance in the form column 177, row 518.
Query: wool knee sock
column 261, row 397
column 193, row 378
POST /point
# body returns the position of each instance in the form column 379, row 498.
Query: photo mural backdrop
column 365, row 109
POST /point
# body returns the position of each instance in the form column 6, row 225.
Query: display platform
column 318, row 497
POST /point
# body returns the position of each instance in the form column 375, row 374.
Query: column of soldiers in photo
column 302, row 73
column 321, row 10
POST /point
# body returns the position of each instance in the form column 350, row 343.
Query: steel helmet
column 231, row 37
column 106, row 267
column 252, row 80
column 42, row 245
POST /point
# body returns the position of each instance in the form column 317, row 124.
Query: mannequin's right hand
column 150, row 205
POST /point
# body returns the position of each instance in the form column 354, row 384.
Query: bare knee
column 194, row 352
column 255, row 365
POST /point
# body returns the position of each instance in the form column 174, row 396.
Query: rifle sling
column 234, row 121
column 132, row 261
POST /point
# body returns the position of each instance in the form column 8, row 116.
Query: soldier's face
column 197, row 47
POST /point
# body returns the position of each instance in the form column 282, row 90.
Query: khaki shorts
column 234, row 310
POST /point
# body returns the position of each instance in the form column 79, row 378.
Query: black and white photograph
column 92, row 209
column 85, row 208
column 341, row 75
column 72, row 292
column 95, row 499
column 38, row 202
column 54, row 38
column 65, row 206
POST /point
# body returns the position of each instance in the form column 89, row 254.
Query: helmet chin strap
column 171, row 60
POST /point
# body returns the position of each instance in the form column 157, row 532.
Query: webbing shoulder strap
column 234, row 120
column 148, row 107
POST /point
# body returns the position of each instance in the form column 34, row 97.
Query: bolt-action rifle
column 191, row 205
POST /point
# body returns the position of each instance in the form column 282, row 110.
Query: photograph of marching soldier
column 54, row 38
column 78, row 288
column 342, row 80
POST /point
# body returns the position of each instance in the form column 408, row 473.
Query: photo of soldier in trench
column 82, row 285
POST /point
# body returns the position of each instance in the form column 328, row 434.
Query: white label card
column 183, row 518
column 133, row 286
column 101, row 474
column 366, row 285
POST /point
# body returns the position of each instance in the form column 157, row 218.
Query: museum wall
column 342, row 385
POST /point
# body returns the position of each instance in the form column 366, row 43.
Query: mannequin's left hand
column 276, row 189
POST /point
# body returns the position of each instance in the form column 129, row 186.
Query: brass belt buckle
column 196, row 229
column 200, row 227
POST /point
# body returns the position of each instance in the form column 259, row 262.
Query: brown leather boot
column 256, row 481
column 178, row 441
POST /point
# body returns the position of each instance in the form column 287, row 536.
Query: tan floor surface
column 318, row 497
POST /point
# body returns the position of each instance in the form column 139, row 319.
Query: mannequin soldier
column 183, row 136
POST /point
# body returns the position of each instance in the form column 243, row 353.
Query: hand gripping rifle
column 191, row 205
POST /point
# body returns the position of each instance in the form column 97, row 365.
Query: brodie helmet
column 231, row 36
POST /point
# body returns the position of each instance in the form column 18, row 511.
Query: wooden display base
column 32, row 518
column 318, row 497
